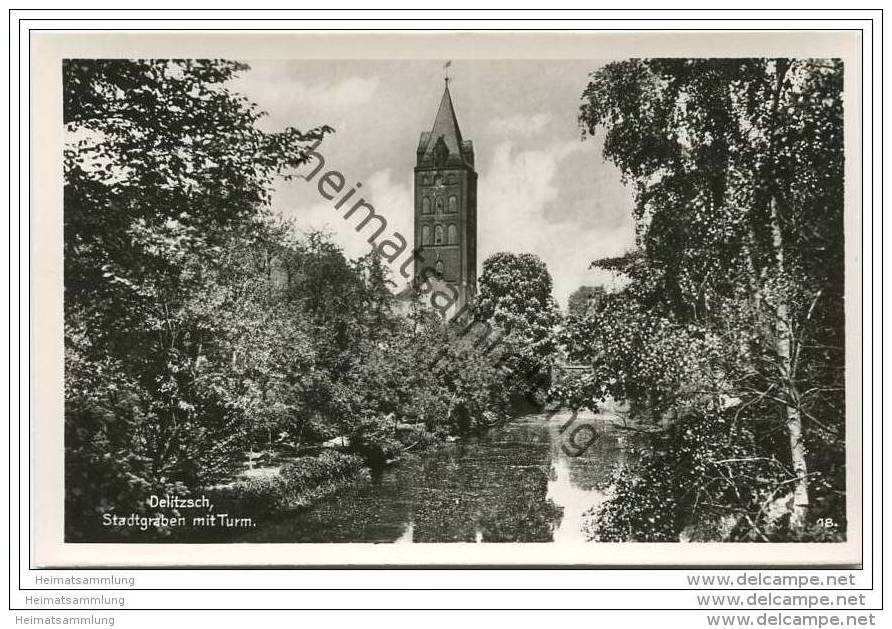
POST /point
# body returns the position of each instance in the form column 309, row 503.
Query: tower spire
column 446, row 126
column 446, row 207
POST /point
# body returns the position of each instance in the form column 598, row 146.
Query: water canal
column 519, row 482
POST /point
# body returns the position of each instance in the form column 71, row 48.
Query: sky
column 542, row 189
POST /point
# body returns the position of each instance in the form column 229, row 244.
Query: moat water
column 529, row 480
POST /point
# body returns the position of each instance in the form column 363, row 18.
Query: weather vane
column 446, row 71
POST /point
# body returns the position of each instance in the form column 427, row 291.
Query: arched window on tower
column 425, row 235
column 438, row 235
column 425, row 205
column 452, row 235
column 439, row 205
column 453, row 204
column 439, row 268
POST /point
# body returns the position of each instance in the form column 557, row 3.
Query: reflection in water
column 513, row 484
column 407, row 535
column 573, row 500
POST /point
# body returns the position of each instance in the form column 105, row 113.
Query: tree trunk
column 792, row 416
column 783, row 326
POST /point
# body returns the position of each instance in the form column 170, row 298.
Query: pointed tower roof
column 446, row 127
column 446, row 124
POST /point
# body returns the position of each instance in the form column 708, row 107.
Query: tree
column 737, row 170
column 515, row 299
column 166, row 177
column 585, row 299
column 200, row 328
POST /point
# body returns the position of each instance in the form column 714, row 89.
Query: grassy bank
column 296, row 484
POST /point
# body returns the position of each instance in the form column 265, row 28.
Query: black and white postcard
column 446, row 299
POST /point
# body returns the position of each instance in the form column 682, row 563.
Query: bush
column 297, row 484
column 310, row 477
column 704, row 478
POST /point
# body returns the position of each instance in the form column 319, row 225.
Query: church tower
column 446, row 205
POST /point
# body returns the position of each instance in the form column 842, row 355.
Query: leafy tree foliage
column 515, row 299
column 735, row 309
column 164, row 170
column 583, row 299
column 200, row 329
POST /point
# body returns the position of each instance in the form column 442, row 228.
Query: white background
column 640, row 582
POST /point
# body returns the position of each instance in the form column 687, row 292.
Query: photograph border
column 483, row 566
